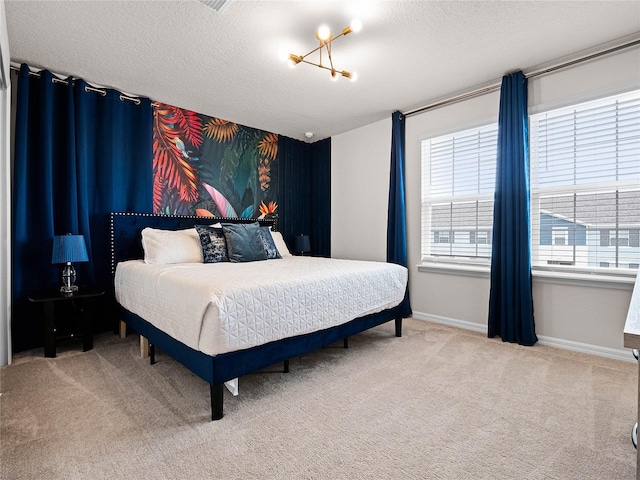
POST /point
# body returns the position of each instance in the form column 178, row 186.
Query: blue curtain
column 79, row 155
column 511, row 300
column 304, row 192
column 294, row 189
column 396, row 218
column 320, row 181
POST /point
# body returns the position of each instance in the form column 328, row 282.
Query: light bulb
column 283, row 55
column 355, row 25
column 324, row 33
column 334, row 75
column 353, row 77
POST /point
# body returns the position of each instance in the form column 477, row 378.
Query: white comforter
column 222, row 307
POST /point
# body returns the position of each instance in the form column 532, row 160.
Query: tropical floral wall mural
column 211, row 167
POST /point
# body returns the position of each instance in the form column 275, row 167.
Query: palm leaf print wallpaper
column 211, row 167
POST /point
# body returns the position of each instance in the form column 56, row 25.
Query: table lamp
column 302, row 244
column 67, row 249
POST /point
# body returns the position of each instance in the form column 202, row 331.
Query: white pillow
column 280, row 245
column 171, row 246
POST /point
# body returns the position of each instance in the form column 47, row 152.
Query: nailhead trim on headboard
column 155, row 220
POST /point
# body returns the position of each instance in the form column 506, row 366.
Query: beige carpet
column 438, row 403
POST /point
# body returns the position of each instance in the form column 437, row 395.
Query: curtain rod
column 496, row 86
column 87, row 88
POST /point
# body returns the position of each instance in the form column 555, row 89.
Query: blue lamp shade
column 302, row 244
column 69, row 248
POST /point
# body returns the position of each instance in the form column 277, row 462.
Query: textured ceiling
column 227, row 64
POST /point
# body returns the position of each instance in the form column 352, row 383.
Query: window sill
column 465, row 269
column 620, row 281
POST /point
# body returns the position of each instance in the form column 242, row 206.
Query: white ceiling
column 227, row 64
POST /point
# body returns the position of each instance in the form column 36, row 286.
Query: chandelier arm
column 329, row 54
column 312, row 51
column 336, row 37
column 318, row 65
column 322, row 44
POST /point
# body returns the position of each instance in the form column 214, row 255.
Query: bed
column 262, row 313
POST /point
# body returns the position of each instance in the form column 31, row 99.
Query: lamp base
column 68, row 280
column 68, row 291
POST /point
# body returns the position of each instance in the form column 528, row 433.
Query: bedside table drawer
column 77, row 321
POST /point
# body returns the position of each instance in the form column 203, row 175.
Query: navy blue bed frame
column 217, row 369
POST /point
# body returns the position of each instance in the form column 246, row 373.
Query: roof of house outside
column 596, row 210
column 593, row 210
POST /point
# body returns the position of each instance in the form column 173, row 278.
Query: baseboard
column 613, row 353
column 451, row 322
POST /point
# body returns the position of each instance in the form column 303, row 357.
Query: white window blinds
column 585, row 181
column 458, row 181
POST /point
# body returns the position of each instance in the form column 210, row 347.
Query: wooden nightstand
column 79, row 309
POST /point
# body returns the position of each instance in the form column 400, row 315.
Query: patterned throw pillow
column 244, row 243
column 268, row 243
column 214, row 246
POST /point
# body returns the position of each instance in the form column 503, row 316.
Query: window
column 585, row 184
column 442, row 237
column 480, row 237
column 619, row 238
column 560, row 236
column 585, row 188
column 458, row 181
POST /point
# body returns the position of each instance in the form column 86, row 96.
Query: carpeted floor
column 438, row 403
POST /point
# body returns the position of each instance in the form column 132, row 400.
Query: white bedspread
column 222, row 307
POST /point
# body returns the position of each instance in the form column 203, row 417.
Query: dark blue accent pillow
column 244, row 243
column 214, row 247
column 268, row 243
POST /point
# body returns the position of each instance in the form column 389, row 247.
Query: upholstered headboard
column 125, row 230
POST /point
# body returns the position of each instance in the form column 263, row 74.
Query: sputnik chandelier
column 324, row 36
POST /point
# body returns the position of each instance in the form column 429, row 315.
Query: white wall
column 360, row 192
column 5, row 195
column 591, row 317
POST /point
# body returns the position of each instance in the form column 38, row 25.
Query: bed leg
column 399, row 327
column 152, row 354
column 144, row 347
column 286, row 366
column 345, row 342
column 123, row 329
column 217, row 391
